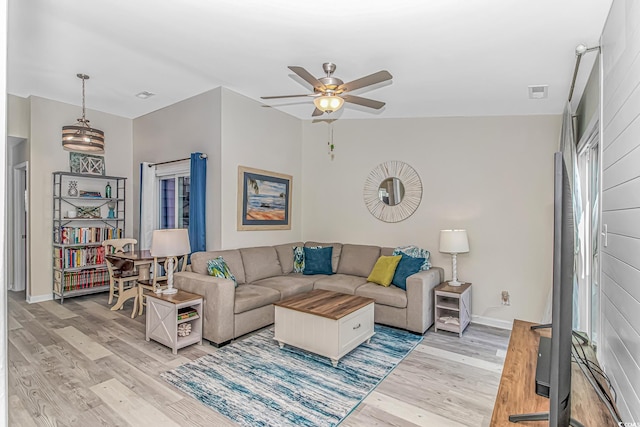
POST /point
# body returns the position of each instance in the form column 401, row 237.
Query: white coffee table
column 326, row 323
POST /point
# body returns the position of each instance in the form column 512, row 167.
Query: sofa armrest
column 218, row 302
column 420, row 298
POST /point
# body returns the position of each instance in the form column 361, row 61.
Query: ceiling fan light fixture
column 81, row 136
column 328, row 103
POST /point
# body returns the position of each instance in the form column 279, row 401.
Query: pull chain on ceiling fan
column 330, row 92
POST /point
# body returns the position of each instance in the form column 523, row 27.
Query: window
column 173, row 195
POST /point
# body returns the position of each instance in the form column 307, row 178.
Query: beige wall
column 262, row 138
column 233, row 130
column 18, row 119
column 174, row 132
column 47, row 156
column 490, row 175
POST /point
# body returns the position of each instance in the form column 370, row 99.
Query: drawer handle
column 357, row 326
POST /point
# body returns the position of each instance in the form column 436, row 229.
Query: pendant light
column 81, row 136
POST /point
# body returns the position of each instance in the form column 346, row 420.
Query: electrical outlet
column 505, row 298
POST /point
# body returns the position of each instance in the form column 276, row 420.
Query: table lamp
column 454, row 242
column 170, row 244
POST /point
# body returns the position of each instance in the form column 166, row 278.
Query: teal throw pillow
column 318, row 260
column 218, row 267
column 298, row 258
column 415, row 252
column 406, row 267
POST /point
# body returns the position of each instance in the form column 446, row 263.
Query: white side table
column 453, row 307
column 162, row 319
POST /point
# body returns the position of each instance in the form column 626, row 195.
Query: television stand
column 576, row 334
column 539, row 416
column 517, row 394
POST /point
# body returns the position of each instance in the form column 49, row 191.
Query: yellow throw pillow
column 383, row 271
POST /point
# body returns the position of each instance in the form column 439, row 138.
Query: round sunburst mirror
column 392, row 191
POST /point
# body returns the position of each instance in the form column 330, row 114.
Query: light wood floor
column 80, row 364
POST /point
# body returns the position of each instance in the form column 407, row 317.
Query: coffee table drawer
column 354, row 328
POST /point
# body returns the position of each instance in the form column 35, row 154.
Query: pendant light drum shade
column 81, row 136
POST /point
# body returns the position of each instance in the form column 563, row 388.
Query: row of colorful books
column 78, row 257
column 71, row 235
column 84, row 279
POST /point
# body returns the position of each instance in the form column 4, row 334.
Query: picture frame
column 264, row 200
column 86, row 164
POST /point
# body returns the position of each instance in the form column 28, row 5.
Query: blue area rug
column 255, row 383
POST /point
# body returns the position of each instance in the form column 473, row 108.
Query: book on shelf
column 91, row 194
column 186, row 313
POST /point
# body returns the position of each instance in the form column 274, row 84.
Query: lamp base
column 455, row 283
column 170, row 291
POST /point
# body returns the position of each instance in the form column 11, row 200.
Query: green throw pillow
column 218, row 267
column 383, row 271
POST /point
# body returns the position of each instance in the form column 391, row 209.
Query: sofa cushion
column 383, row 271
column 249, row 297
column 232, row 257
column 343, row 283
column 289, row 285
column 335, row 257
column 317, row 261
column 387, row 251
column 406, row 267
column 358, row 260
column 285, row 256
column 391, row 296
column 260, row 262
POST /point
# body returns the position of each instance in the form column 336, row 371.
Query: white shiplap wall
column 620, row 300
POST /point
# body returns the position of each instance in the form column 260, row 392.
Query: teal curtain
column 197, row 202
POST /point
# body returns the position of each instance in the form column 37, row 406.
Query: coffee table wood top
column 332, row 305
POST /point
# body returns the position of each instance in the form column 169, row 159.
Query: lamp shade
column 81, row 136
column 454, row 241
column 328, row 103
column 171, row 242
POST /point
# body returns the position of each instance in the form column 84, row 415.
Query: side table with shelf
column 78, row 257
column 162, row 319
column 453, row 307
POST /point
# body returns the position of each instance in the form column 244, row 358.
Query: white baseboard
column 490, row 321
column 39, row 298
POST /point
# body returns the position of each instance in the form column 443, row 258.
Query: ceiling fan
column 330, row 92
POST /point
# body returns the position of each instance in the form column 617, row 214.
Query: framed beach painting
column 264, row 200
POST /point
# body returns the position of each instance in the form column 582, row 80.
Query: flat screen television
column 559, row 414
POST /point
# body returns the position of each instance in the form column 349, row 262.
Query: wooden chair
column 159, row 282
column 120, row 271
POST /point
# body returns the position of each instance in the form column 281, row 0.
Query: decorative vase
column 107, row 191
column 73, row 189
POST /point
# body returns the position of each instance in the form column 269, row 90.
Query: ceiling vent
column 538, row 92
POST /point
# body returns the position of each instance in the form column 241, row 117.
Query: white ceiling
column 447, row 57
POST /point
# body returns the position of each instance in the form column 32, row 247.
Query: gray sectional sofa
column 265, row 275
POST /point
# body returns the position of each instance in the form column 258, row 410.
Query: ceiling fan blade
column 369, row 80
column 317, row 112
column 371, row 103
column 286, row 96
column 308, row 77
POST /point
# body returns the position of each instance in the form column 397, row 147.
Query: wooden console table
column 516, row 394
